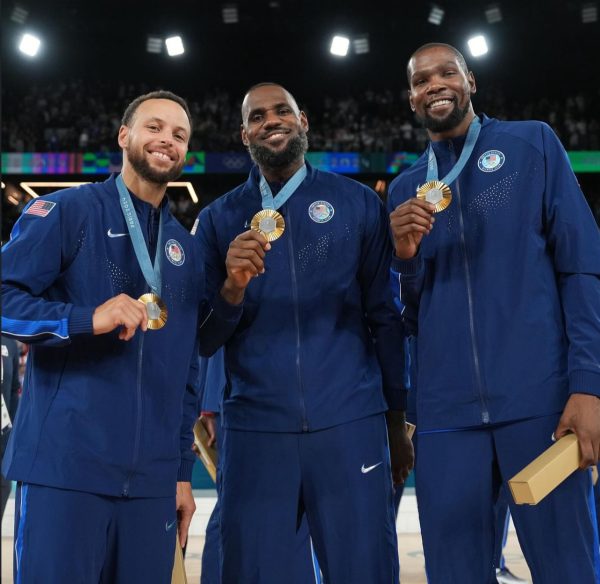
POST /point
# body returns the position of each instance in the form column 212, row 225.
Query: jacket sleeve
column 574, row 241
column 190, row 414
column 406, row 276
column 39, row 250
column 219, row 319
column 383, row 319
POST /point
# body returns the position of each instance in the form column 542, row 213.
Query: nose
column 271, row 119
column 436, row 84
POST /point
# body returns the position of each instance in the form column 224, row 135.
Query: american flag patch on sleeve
column 40, row 208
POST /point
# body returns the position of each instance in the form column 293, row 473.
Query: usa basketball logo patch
column 321, row 211
column 491, row 161
column 174, row 252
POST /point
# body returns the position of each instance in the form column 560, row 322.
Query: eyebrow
column 433, row 67
column 259, row 110
column 157, row 119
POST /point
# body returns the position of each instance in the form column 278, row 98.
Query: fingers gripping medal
column 156, row 309
column 437, row 193
column 269, row 223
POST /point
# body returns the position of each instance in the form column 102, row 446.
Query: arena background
column 61, row 109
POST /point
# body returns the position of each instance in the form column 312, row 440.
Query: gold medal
column 156, row 309
column 268, row 222
column 435, row 192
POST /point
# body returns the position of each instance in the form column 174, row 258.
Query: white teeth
column 160, row 155
column 440, row 103
column 278, row 135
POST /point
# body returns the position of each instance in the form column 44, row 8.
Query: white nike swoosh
column 169, row 525
column 111, row 234
column 367, row 469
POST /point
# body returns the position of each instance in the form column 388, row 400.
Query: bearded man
column 314, row 368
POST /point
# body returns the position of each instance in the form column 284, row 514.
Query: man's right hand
column 409, row 222
column 244, row 261
column 123, row 311
column 210, row 425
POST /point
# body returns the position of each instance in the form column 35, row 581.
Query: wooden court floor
column 411, row 558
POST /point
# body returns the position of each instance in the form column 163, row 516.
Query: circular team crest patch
column 491, row 160
column 321, row 211
column 174, row 252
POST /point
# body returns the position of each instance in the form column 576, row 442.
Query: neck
column 282, row 174
column 455, row 132
column 143, row 189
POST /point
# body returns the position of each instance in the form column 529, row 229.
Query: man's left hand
column 186, row 507
column 402, row 454
column 582, row 416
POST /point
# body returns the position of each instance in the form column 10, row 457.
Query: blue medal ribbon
column 270, row 202
column 432, row 167
column 151, row 273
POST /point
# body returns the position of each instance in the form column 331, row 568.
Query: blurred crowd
column 79, row 116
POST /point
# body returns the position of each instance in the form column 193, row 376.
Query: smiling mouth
column 439, row 103
column 161, row 156
column 275, row 136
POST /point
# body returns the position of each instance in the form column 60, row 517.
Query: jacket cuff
column 81, row 320
column 230, row 312
column 583, row 381
column 407, row 267
column 397, row 400
column 185, row 471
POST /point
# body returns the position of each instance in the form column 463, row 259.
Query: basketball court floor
column 409, row 542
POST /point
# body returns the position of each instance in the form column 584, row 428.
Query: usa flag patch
column 40, row 208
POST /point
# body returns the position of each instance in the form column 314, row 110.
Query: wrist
column 231, row 293
column 395, row 419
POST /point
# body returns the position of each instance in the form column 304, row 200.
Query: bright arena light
column 174, row 46
column 29, row 45
column 339, row 46
column 478, row 45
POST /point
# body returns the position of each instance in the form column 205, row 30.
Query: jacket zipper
column 138, row 389
column 485, row 415
column 288, row 221
column 138, row 421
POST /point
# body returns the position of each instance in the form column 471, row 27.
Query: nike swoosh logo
column 168, row 525
column 365, row 469
column 111, row 234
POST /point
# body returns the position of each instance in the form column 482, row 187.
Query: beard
column 453, row 119
column 143, row 168
column 267, row 158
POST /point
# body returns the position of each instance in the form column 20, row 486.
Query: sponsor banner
column 228, row 162
column 98, row 163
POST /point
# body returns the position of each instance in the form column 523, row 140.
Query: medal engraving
column 156, row 310
column 437, row 193
column 269, row 223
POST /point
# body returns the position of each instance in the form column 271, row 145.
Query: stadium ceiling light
column 478, row 45
column 19, row 14
column 339, row 46
column 493, row 14
column 174, row 46
column 230, row 14
column 30, row 187
column 436, row 15
column 27, row 186
column 29, row 45
column 589, row 13
column 361, row 44
column 154, row 44
column 188, row 185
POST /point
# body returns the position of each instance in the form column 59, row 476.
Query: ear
column 410, row 100
column 123, row 136
column 304, row 121
column 472, row 84
column 244, row 135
